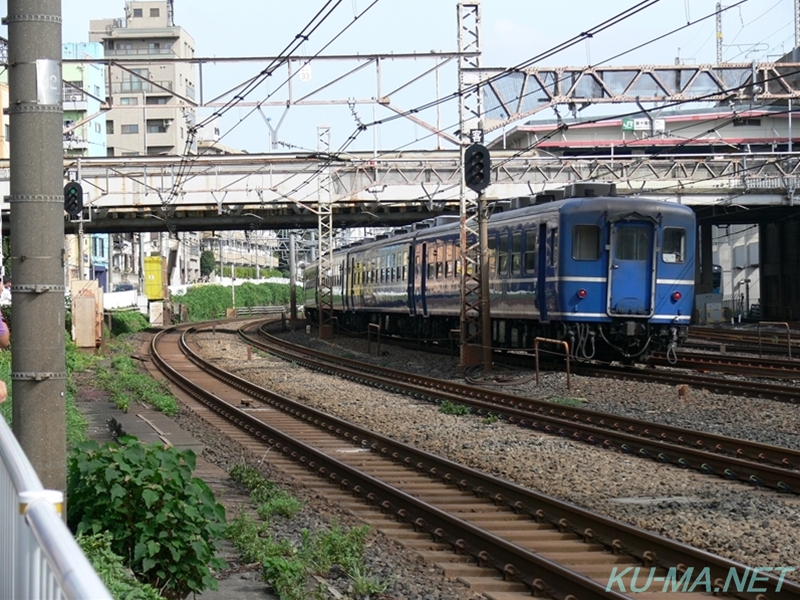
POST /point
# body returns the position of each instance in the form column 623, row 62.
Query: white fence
column 40, row 558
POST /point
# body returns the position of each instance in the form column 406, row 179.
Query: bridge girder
column 280, row 192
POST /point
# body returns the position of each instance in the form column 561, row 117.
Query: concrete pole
column 38, row 361
column 292, row 279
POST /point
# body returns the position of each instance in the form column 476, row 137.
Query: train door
column 420, row 273
column 630, row 269
column 349, row 274
column 541, row 275
column 411, row 278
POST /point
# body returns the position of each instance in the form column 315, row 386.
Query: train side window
column 439, row 261
column 586, row 242
column 448, row 260
column 502, row 254
column 673, row 246
column 516, row 252
column 553, row 247
column 530, row 251
column 431, row 262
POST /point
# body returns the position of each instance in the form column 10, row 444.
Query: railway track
column 758, row 464
column 769, row 368
column 528, row 541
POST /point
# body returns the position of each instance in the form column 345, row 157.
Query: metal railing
column 41, row 559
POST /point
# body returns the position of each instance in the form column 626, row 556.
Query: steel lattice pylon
column 325, row 274
column 470, row 115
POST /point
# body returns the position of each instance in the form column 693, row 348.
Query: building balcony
column 138, row 86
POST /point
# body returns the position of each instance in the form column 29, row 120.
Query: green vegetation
column 110, row 567
column 76, row 361
column 207, row 262
column 125, row 383
column 490, row 419
column 574, row 402
column 126, row 322
column 452, row 408
column 209, row 301
column 288, row 568
column 162, row 521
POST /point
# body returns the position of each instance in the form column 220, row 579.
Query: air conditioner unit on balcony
column 74, row 98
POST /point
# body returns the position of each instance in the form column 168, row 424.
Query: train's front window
column 633, row 243
column 673, row 247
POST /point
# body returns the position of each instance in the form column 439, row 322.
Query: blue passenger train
column 613, row 276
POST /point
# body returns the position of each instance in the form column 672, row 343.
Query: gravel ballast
column 756, row 527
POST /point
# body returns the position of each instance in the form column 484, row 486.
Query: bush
column 162, row 521
column 209, row 301
column 109, row 566
column 131, row 321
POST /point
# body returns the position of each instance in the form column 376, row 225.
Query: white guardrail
column 40, row 558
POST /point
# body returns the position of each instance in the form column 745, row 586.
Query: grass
column 126, row 384
column 453, row 408
column 567, row 401
column 289, row 568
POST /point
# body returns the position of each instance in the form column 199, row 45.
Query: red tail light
column 676, row 296
column 582, row 293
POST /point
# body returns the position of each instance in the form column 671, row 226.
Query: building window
column 137, row 12
column 157, row 100
column 157, row 126
column 125, row 129
column 109, row 127
column 130, row 154
column 154, row 46
column 109, row 151
column 154, row 12
column 128, row 101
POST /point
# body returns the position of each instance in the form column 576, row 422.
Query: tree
column 207, row 263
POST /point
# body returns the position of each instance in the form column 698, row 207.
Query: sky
column 513, row 31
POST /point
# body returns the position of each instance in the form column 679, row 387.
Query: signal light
column 477, row 167
column 676, row 296
column 73, row 198
column 582, row 293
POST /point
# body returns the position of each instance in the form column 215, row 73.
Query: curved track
column 538, row 543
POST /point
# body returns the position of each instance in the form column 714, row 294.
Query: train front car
column 626, row 276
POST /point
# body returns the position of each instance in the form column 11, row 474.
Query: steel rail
column 534, row 570
column 735, row 365
column 508, row 558
column 709, row 453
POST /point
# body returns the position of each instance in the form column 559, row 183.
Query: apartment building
column 83, row 98
column 152, row 109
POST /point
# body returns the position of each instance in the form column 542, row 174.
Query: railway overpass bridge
column 282, row 191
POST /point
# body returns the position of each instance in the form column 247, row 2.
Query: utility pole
column 38, row 363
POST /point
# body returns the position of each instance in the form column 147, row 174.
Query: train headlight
column 582, row 293
column 676, row 296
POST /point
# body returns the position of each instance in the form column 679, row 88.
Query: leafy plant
column 163, row 521
column 207, row 262
column 109, row 566
column 452, row 408
column 490, row 419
